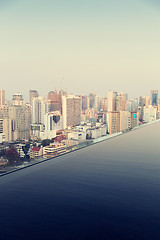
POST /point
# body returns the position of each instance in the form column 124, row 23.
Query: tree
column 46, row 142
column 12, row 155
column 26, row 150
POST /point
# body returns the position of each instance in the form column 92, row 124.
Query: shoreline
column 80, row 146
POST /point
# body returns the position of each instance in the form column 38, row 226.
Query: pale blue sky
column 95, row 45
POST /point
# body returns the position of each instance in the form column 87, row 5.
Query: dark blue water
column 110, row 190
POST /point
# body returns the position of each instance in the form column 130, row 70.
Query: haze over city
column 93, row 46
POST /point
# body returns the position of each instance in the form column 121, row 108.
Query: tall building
column 105, row 104
column 154, row 97
column 85, row 102
column 97, row 103
column 2, row 97
column 21, row 122
column 121, row 102
column 2, row 135
column 134, row 119
column 38, row 110
column 7, row 129
column 140, row 111
column 91, row 99
column 33, row 94
column 18, row 100
column 113, row 122
column 71, row 110
column 5, row 115
column 147, row 101
column 55, row 101
column 132, row 104
column 125, row 120
column 1, row 125
column 112, row 101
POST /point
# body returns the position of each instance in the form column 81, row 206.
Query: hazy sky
column 95, row 45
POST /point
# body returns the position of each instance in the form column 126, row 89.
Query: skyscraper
column 121, row 102
column 21, row 122
column 33, row 94
column 97, row 103
column 154, row 97
column 2, row 97
column 91, row 99
column 113, row 122
column 18, row 100
column 105, row 104
column 71, row 110
column 55, row 101
column 85, row 102
column 112, row 101
column 38, row 110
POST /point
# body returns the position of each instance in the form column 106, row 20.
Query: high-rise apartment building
column 71, row 110
column 55, row 101
column 1, row 125
column 105, row 104
column 132, row 104
column 97, row 103
column 5, row 115
column 154, row 97
column 21, row 122
column 33, row 94
column 2, row 135
column 125, row 120
column 91, row 99
column 38, row 110
column 2, row 97
column 112, row 101
column 7, row 129
column 85, row 102
column 18, row 100
column 113, row 122
column 134, row 119
column 121, row 102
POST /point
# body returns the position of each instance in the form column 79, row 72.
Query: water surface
column 110, row 190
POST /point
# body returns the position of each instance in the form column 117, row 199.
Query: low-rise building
column 36, row 152
column 54, row 149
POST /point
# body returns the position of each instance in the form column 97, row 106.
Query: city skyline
column 43, row 43
column 26, row 96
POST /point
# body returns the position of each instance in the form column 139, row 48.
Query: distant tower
column 55, row 101
column 121, row 102
column 71, row 110
column 18, row 100
column 154, row 97
column 85, row 102
column 33, row 94
column 38, row 110
column 91, row 99
column 112, row 101
column 2, row 97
